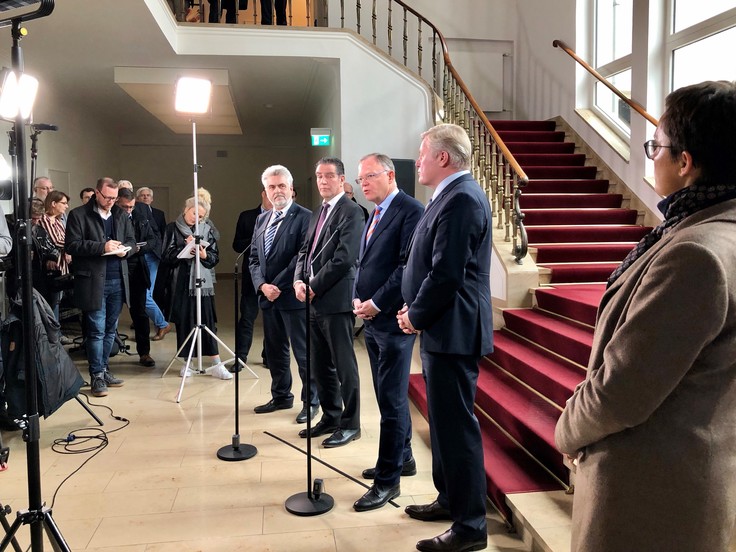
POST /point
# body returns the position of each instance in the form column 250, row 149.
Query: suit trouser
column 390, row 357
column 138, row 314
column 457, row 449
column 282, row 327
column 248, row 314
column 335, row 368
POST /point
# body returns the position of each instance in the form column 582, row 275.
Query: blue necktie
column 271, row 233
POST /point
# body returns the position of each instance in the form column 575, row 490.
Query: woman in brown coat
column 653, row 426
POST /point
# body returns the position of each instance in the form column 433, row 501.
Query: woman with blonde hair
column 178, row 278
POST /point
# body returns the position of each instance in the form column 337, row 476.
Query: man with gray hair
column 446, row 289
column 278, row 236
column 157, row 221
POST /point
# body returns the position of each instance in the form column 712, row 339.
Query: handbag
column 57, row 281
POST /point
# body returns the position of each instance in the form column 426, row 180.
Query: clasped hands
column 364, row 309
column 300, row 288
column 404, row 323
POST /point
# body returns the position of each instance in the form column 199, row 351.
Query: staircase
column 578, row 234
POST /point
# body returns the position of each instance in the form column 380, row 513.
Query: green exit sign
column 320, row 139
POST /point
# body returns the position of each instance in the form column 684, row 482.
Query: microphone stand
column 314, row 502
column 235, row 452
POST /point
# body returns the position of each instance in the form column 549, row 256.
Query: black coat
column 58, row 377
column 85, row 242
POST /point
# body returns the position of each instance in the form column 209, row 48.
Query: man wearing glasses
column 377, row 299
column 99, row 236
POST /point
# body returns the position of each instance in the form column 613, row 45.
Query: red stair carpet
column 578, row 233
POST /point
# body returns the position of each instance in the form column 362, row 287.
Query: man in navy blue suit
column 279, row 234
column 377, row 299
column 446, row 287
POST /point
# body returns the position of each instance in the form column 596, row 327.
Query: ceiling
column 82, row 48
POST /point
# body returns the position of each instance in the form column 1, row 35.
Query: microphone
column 321, row 249
column 44, row 126
column 259, row 234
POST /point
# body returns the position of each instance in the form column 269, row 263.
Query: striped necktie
column 372, row 228
column 271, row 233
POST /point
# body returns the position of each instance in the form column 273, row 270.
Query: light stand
column 235, row 451
column 314, row 502
column 193, row 97
column 37, row 515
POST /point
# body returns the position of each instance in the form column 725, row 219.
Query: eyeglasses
column 651, row 147
column 370, row 176
column 107, row 198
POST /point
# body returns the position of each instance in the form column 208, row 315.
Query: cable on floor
column 85, row 440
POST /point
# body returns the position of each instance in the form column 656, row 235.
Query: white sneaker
column 185, row 372
column 219, row 371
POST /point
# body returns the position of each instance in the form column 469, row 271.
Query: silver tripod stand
column 195, row 335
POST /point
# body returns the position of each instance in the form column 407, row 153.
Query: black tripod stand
column 37, row 515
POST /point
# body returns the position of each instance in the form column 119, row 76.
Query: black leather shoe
column 428, row 512
column 272, row 406
column 409, row 469
column 376, row 497
column 341, row 438
column 301, row 418
column 320, row 428
column 449, row 541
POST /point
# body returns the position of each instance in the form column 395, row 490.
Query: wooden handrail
column 636, row 106
column 492, row 164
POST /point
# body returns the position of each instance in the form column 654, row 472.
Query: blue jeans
column 102, row 325
column 152, row 309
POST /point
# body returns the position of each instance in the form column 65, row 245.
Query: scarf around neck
column 208, row 287
column 677, row 207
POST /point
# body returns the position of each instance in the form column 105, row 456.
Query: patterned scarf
column 676, row 208
column 208, row 287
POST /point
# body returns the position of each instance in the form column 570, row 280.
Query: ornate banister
column 492, row 164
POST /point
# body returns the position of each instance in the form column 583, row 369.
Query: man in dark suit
column 446, row 287
column 95, row 235
column 138, row 275
column 279, row 235
column 351, row 195
column 377, row 299
column 327, row 262
column 248, row 297
column 152, row 257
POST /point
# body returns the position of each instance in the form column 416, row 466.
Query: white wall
column 369, row 101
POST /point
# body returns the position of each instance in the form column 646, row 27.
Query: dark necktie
column 372, row 228
column 271, row 233
column 318, row 229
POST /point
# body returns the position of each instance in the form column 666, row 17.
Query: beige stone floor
column 159, row 486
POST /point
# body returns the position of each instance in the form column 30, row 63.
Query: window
column 690, row 12
column 613, row 44
column 688, row 66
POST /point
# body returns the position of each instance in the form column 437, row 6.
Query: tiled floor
column 158, row 485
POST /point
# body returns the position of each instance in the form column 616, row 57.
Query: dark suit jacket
column 335, row 258
column 278, row 268
column 157, row 222
column 447, row 276
column 242, row 241
column 143, row 232
column 85, row 242
column 381, row 261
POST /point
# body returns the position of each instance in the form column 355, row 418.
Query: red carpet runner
column 578, row 234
